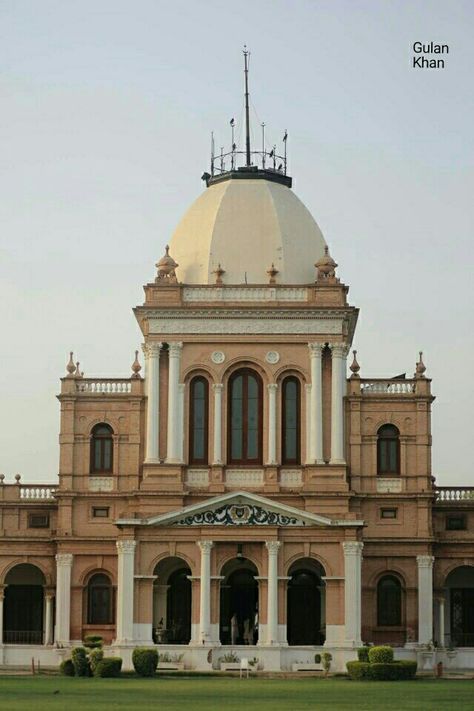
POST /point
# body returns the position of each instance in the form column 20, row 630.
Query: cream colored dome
column 246, row 226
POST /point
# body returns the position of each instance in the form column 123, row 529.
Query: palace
column 245, row 494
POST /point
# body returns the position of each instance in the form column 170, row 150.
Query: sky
column 106, row 111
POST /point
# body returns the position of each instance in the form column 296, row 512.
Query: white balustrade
column 37, row 492
column 388, row 387
column 109, row 387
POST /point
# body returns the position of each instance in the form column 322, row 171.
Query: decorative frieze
column 239, row 293
column 291, row 477
column 239, row 515
column 244, row 477
column 101, row 483
column 197, row 478
column 389, row 486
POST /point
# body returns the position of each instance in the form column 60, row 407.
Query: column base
column 338, row 462
column 152, row 460
column 173, row 460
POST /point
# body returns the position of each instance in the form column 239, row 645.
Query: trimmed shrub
column 363, row 654
column 79, row 660
column 95, row 656
column 145, row 661
column 393, row 671
column 380, row 655
column 66, row 668
column 406, row 669
column 326, row 662
column 108, row 667
column 93, row 641
column 358, row 670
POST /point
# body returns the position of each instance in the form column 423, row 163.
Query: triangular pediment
column 238, row 508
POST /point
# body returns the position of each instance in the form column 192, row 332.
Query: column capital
column 339, row 350
column 272, row 387
column 353, row 548
column 64, row 559
column 152, row 349
column 126, row 546
column 316, row 349
column 217, row 387
column 175, row 348
column 425, row 561
column 272, row 547
column 205, row 546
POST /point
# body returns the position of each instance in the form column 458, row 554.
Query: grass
column 47, row 693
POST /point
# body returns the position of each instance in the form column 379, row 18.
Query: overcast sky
column 106, row 111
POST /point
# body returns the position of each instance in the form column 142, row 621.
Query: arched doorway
column 172, row 602
column 306, row 602
column 460, row 607
column 239, row 603
column 23, row 610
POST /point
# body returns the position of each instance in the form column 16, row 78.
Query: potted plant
column 230, row 662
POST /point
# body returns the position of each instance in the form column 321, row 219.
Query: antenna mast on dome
column 247, row 111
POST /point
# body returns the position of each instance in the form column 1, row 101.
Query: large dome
column 245, row 225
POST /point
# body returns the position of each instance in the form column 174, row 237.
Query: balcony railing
column 455, row 493
column 109, row 386
column 459, row 639
column 37, row 492
column 23, row 637
column 379, row 386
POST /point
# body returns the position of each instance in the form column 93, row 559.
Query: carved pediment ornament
column 239, row 515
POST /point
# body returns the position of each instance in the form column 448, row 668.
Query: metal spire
column 247, row 113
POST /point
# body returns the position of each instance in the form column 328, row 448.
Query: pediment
column 238, row 509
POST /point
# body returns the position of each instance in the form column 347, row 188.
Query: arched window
column 388, row 450
column 102, row 450
column 198, row 421
column 244, row 442
column 99, row 600
column 389, row 602
column 290, row 421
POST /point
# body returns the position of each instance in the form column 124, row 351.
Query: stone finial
column 219, row 272
column 71, row 368
column 17, row 478
column 2, row 478
column 136, row 367
column 78, row 371
column 420, row 367
column 166, row 269
column 272, row 272
column 326, row 267
column 355, row 367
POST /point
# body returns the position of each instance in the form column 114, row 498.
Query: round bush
column 93, row 641
column 363, row 654
column 380, row 655
column 358, row 670
column 79, row 659
column 145, row 661
column 108, row 667
column 66, row 668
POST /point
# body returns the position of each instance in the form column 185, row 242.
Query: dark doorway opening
column 239, row 606
column 178, row 608
column 305, row 604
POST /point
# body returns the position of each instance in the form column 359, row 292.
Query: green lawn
column 24, row 693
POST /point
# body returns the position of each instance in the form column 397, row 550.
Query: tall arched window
column 388, row 450
column 290, row 421
column 389, row 602
column 244, row 441
column 99, row 600
column 198, row 421
column 102, row 448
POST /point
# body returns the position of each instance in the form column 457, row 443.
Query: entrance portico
column 249, row 559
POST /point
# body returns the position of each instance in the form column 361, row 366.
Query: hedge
column 66, row 668
column 79, row 659
column 145, row 661
column 108, row 667
column 358, row 670
column 380, row 655
column 390, row 671
column 363, row 654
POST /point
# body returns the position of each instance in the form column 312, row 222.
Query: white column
column 316, row 406
column 125, row 589
column 272, row 592
column 308, row 424
column 174, row 427
column 48, row 620
column 152, row 381
column 272, row 392
column 339, row 353
column 353, row 592
column 425, row 598
column 217, row 457
column 63, row 597
column 205, row 592
column 441, row 622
